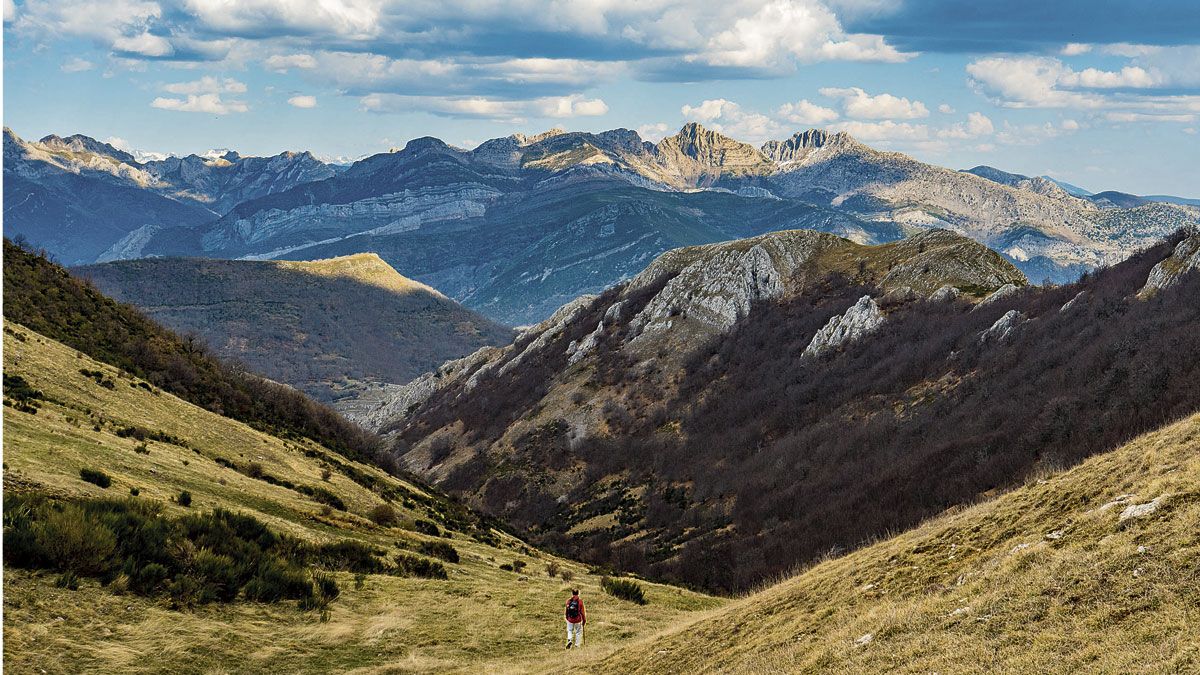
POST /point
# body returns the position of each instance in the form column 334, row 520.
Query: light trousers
column 575, row 633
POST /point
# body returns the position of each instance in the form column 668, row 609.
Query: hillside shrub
column 184, row 498
column 196, row 559
column 384, row 515
column 416, row 566
column 439, row 549
column 625, row 589
column 95, row 477
column 552, row 568
column 426, row 527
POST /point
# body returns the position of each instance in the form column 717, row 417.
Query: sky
column 1099, row 93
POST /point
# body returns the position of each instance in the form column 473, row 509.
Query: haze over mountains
column 522, row 224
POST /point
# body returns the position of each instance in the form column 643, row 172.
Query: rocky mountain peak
column 803, row 143
column 700, row 156
column 81, row 143
column 522, row 139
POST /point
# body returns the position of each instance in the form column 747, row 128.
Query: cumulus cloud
column 303, row 101
column 977, row 125
column 887, row 130
column 282, row 63
column 203, row 95
column 731, row 119
column 201, row 103
column 859, row 104
column 1075, row 49
column 807, row 113
column 654, row 132
column 76, row 65
column 1033, row 134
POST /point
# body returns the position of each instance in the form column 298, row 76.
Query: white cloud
column 946, row 109
column 574, row 105
column 861, row 105
column 144, row 44
column 201, row 103
column 480, row 107
column 1033, row 134
column 1028, row 82
column 303, row 101
column 1129, row 76
column 730, row 119
column 281, row 63
column 1148, row 117
column 886, row 130
column 10, row 11
column 207, row 85
column 1191, row 131
column 806, row 112
column 654, row 132
column 76, row 65
column 1075, row 49
column 977, row 125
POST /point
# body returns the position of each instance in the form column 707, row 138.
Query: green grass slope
column 481, row 619
column 1069, row 573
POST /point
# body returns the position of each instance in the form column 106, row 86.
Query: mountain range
column 332, row 328
column 737, row 409
column 520, row 225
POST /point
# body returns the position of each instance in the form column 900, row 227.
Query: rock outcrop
column 862, row 319
column 1185, row 258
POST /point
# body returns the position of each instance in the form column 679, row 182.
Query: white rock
column 1185, row 258
column 864, row 640
column 1000, row 293
column 1003, row 328
column 945, row 294
column 1143, row 510
column 860, row 320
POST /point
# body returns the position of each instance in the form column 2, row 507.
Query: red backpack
column 573, row 609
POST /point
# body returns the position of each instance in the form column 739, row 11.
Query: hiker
column 576, row 617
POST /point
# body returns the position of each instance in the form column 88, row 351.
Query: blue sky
column 1102, row 94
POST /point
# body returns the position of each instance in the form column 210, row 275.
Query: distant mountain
column 328, row 327
column 85, row 200
column 741, row 408
column 522, row 224
column 1073, row 190
column 67, row 196
column 1168, row 199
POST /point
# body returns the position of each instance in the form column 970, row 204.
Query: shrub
column 567, row 575
column 68, row 580
column 184, row 498
column 625, row 589
column 384, row 515
column 349, row 556
column 552, row 568
column 95, row 477
column 440, row 549
column 416, row 566
column 507, row 567
column 74, row 540
column 134, row 491
column 142, row 449
column 518, row 565
column 326, row 474
column 426, row 527
column 274, row 581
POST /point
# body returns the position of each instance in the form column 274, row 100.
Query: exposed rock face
column 804, row 144
column 1003, row 328
column 999, row 294
column 715, row 292
column 1185, row 258
column 945, row 294
column 701, row 156
column 863, row 318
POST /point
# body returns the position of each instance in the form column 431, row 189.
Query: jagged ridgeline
column 738, row 409
column 46, row 298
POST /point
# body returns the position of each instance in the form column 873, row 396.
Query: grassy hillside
column 1069, row 573
column 47, row 299
column 326, row 327
column 75, row 413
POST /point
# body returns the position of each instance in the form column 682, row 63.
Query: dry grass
column 1042, row 579
column 483, row 619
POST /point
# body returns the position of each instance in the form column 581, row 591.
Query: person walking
column 576, row 618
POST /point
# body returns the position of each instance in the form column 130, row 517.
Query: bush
column 95, row 477
column 416, row 566
column 134, row 491
column 184, row 498
column 68, row 580
column 519, row 565
column 552, row 568
column 625, row 589
column 440, row 549
column 326, row 474
column 426, row 527
column 384, row 515
column 349, row 556
column 567, row 575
